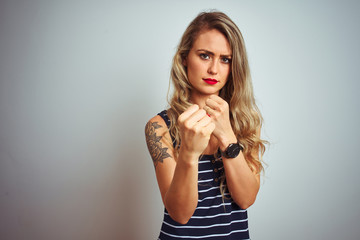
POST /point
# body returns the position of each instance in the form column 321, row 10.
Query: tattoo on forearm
column 157, row 152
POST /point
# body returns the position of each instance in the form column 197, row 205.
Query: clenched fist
column 218, row 109
column 196, row 128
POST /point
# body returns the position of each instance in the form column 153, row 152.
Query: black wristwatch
column 232, row 151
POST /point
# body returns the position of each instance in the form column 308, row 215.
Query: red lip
column 210, row 81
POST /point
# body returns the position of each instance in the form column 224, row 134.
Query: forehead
column 212, row 40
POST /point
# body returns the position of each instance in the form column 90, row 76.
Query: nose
column 213, row 68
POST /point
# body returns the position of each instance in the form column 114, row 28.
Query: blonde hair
column 245, row 116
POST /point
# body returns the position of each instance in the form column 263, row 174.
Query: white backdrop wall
column 80, row 79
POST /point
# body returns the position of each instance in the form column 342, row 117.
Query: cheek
column 227, row 74
column 226, row 71
column 194, row 68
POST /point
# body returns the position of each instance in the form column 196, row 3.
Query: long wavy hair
column 245, row 116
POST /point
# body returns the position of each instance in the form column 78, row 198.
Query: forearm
column 242, row 183
column 182, row 196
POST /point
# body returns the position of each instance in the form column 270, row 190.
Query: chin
column 207, row 90
column 210, row 93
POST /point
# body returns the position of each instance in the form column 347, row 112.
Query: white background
column 80, row 79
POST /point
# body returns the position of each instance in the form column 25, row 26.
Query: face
column 208, row 63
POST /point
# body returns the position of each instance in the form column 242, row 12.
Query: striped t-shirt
column 215, row 217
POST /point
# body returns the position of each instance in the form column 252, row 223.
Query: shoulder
column 156, row 129
column 155, row 124
column 158, row 140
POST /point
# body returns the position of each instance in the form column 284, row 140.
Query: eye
column 226, row 60
column 204, row 56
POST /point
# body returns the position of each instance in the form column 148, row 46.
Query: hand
column 218, row 109
column 195, row 130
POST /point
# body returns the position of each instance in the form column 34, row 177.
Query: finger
column 217, row 103
column 208, row 110
column 216, row 98
column 210, row 128
column 188, row 112
column 212, row 104
column 197, row 116
column 204, row 121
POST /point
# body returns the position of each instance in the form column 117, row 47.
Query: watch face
column 233, row 150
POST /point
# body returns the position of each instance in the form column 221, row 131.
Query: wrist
column 225, row 141
column 188, row 157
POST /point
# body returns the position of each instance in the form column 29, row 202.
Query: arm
column 242, row 182
column 177, row 178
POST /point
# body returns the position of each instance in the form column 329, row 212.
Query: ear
column 185, row 62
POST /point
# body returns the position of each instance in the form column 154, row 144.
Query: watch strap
column 232, row 151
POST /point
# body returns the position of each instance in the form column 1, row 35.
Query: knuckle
column 193, row 131
column 196, row 129
column 204, row 132
column 180, row 119
column 195, row 106
column 202, row 112
column 207, row 121
column 186, row 125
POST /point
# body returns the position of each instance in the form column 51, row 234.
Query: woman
column 206, row 146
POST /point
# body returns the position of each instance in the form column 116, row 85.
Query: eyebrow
column 211, row 53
